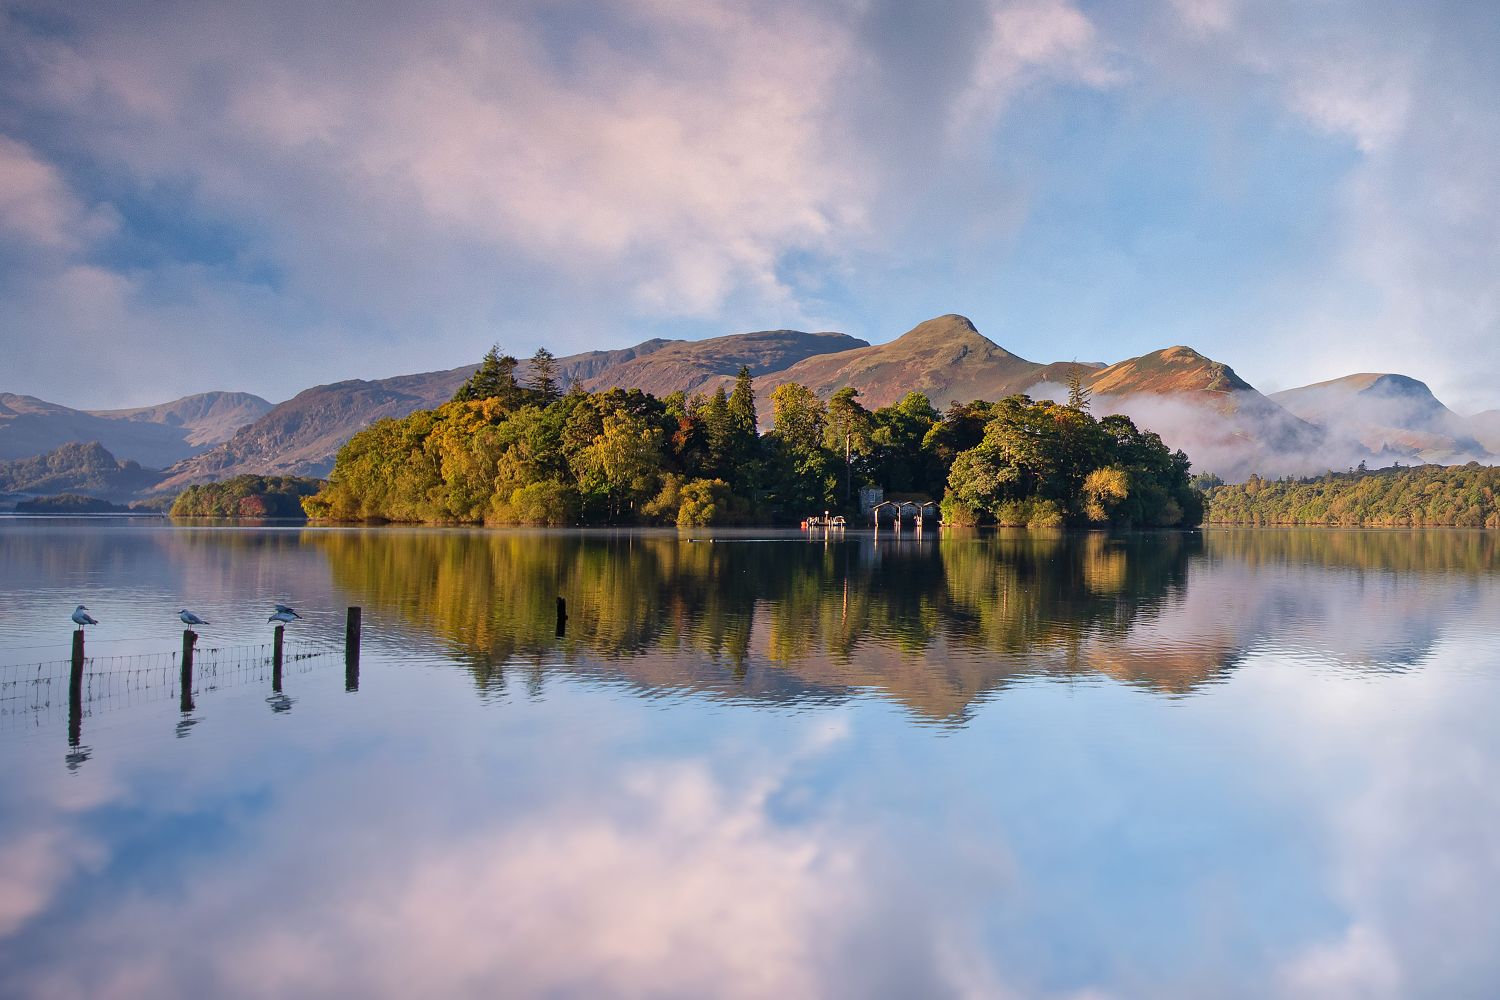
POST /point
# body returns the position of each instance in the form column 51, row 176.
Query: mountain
column 1203, row 407
column 76, row 468
column 946, row 358
column 302, row 435
column 1194, row 402
column 206, row 419
column 1394, row 416
column 688, row 366
column 155, row 436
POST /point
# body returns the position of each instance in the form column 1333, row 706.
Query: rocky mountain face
column 76, row 468
column 1394, row 416
column 155, row 436
column 205, row 419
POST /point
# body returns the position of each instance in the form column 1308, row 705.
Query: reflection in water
column 936, row 626
column 1242, row 763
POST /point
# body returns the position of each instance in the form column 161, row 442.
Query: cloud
column 533, row 171
column 1412, row 280
column 37, row 209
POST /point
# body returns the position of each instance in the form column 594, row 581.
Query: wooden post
column 189, row 637
column 276, row 643
column 562, row 617
column 75, row 691
column 351, row 650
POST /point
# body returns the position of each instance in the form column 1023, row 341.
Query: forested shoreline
column 1460, row 496
column 506, row 453
column 246, row 496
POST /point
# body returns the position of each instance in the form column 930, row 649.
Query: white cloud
column 37, row 208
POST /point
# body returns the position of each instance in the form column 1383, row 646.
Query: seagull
column 283, row 616
column 81, row 618
column 188, row 618
column 282, row 609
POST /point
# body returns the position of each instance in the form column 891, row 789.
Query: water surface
column 1241, row 763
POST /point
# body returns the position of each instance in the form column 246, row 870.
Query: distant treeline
column 1461, row 496
column 69, row 503
column 247, row 496
column 530, row 454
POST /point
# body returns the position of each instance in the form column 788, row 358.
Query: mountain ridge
column 155, row 435
column 1195, row 402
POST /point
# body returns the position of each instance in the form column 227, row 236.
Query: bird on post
column 188, row 618
column 80, row 618
column 282, row 609
column 285, row 616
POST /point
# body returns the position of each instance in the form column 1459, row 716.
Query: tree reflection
column 933, row 625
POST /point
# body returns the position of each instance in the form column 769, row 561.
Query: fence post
column 276, row 648
column 189, row 637
column 562, row 617
column 351, row 650
column 75, row 691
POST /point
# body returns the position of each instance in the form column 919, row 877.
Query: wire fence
column 31, row 693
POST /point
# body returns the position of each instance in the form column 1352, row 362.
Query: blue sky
column 266, row 197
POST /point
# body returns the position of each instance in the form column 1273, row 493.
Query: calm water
column 1246, row 763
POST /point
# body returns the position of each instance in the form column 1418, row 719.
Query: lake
column 1237, row 763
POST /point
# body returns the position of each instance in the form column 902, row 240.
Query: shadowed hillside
column 77, row 468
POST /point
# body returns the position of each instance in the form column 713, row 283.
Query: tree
column 848, row 431
column 543, row 381
column 742, row 406
column 495, row 379
column 718, row 431
column 1078, row 393
column 798, row 418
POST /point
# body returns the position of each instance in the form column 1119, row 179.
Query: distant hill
column 155, row 436
column 688, row 366
column 302, row 435
column 77, row 468
column 206, row 419
column 1393, row 415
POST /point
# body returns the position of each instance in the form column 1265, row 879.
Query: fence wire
column 32, row 693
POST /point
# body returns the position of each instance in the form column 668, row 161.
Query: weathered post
column 562, row 617
column 189, row 637
column 75, row 691
column 351, row 650
column 276, row 647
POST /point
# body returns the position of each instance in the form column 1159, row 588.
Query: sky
column 269, row 196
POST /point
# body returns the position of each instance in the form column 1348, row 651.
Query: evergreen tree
column 543, row 379
column 1078, row 393
column 742, row 405
column 718, row 431
column 496, row 378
